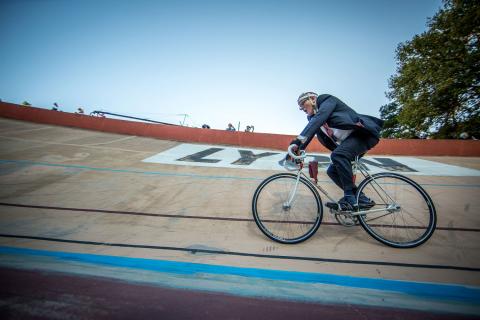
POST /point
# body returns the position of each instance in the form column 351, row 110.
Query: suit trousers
column 340, row 170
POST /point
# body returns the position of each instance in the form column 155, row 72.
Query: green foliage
column 26, row 104
column 436, row 90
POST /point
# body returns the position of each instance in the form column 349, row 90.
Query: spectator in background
column 97, row 114
column 55, row 107
column 249, row 129
column 205, row 126
column 80, row 111
column 230, row 127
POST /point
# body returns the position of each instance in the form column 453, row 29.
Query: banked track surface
column 52, row 198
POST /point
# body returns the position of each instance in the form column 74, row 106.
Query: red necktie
column 329, row 131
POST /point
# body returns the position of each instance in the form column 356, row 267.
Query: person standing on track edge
column 343, row 131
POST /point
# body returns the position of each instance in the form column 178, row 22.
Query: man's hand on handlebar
column 296, row 142
column 296, row 150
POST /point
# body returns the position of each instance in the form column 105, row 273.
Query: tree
column 436, row 90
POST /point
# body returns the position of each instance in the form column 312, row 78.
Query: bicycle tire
column 275, row 221
column 422, row 219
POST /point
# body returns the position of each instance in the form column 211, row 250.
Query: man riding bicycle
column 347, row 134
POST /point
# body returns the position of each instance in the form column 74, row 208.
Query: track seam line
column 162, row 215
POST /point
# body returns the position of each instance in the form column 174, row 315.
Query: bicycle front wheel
column 285, row 218
column 403, row 216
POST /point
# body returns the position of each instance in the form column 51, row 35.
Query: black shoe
column 365, row 202
column 347, row 203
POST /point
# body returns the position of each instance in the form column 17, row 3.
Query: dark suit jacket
column 337, row 114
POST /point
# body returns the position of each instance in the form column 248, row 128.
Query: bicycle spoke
column 393, row 225
column 413, row 217
column 405, row 230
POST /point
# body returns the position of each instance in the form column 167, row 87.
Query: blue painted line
column 448, row 292
column 196, row 176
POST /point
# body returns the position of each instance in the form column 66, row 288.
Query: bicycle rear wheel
column 285, row 223
column 403, row 216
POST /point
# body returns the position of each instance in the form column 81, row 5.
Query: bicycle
column 287, row 207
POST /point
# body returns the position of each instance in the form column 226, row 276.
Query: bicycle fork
column 288, row 204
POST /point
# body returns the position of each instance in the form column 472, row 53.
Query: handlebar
column 293, row 155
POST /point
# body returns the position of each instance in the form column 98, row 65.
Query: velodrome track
column 83, row 209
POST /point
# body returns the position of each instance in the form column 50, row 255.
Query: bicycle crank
column 346, row 219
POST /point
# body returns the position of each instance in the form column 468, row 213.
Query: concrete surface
column 72, row 201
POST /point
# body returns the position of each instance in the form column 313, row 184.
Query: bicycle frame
column 356, row 167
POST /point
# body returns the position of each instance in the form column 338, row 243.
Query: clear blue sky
column 217, row 61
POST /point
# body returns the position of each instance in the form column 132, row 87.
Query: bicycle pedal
column 332, row 205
